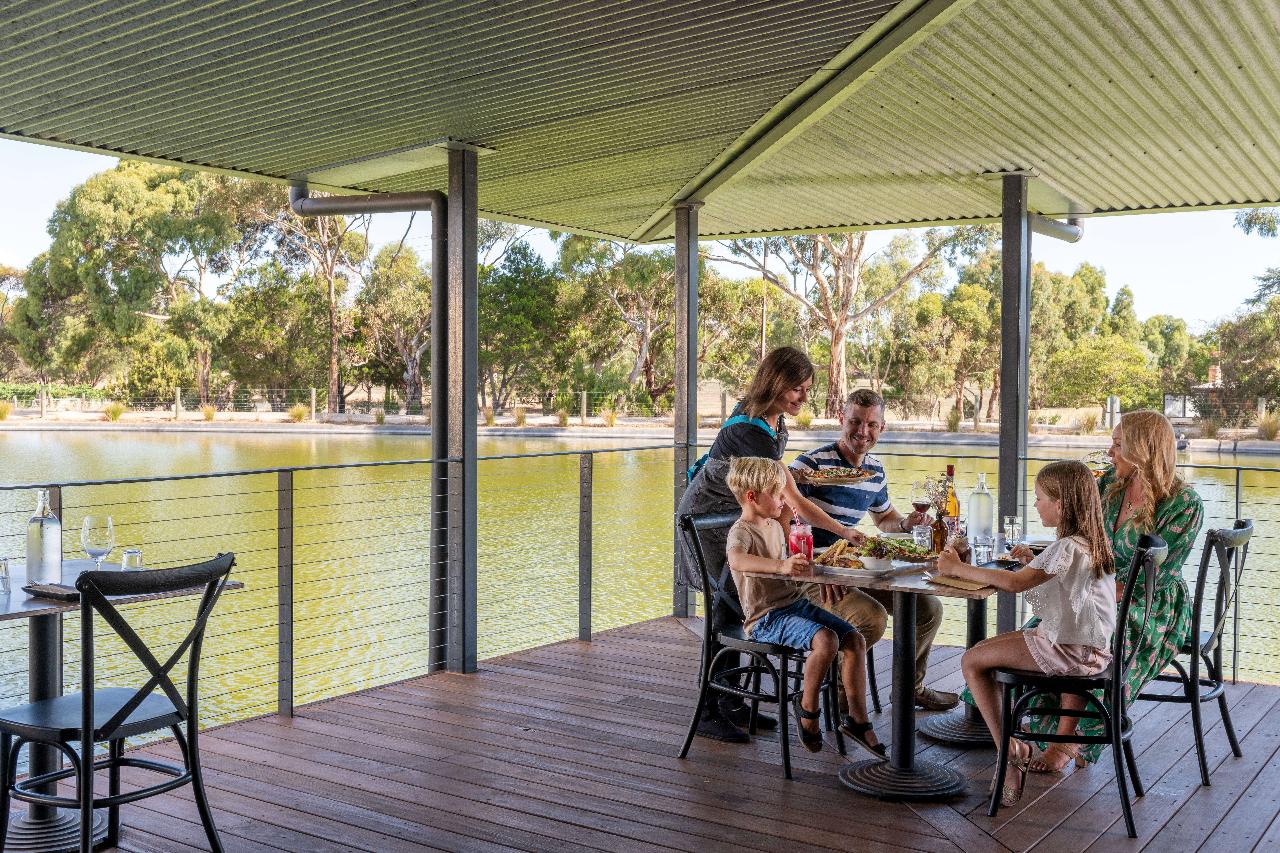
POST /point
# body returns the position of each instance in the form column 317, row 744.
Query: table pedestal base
column 53, row 836
column 957, row 728
column 924, row 781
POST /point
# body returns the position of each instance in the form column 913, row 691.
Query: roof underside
column 779, row 116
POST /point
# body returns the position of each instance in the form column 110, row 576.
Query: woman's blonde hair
column 1072, row 484
column 783, row 369
column 1150, row 447
column 755, row 474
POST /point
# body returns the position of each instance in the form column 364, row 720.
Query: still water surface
column 360, row 536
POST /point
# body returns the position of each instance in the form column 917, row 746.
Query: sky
column 1193, row 265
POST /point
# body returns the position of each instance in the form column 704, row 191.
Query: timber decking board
column 571, row 747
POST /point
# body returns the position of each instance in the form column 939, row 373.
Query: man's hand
column 831, row 593
column 797, row 565
column 854, row 536
column 914, row 519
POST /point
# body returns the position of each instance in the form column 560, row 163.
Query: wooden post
column 585, row 407
column 313, row 404
column 177, row 404
column 42, row 400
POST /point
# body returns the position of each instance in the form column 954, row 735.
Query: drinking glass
column 919, row 497
column 131, row 560
column 4, row 575
column 97, row 537
column 981, row 551
column 1012, row 531
column 922, row 535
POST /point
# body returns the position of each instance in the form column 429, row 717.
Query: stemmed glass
column 920, row 497
column 1012, row 529
column 97, row 537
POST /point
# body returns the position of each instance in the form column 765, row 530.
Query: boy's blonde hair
column 755, row 474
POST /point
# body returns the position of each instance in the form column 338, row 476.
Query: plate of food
column 1037, row 544
column 836, row 476
column 839, row 555
column 886, row 548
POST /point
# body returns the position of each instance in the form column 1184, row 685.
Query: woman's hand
column 1022, row 553
column 854, row 536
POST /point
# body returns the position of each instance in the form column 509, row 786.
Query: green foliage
column 609, row 416
column 379, row 417
column 1269, row 425
column 1208, row 427
column 1088, row 424
column 1122, row 319
column 1098, row 366
column 277, row 329
column 953, row 420
column 159, row 363
column 209, row 412
column 299, row 413
column 804, row 418
column 562, row 417
column 395, row 315
column 6, row 408
column 113, row 410
column 519, row 306
column 1249, row 345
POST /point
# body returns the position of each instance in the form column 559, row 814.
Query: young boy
column 776, row 612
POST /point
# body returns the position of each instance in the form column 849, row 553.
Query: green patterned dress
column 1177, row 522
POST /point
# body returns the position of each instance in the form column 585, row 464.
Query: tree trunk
column 995, row 392
column 837, row 375
column 335, row 393
column 412, row 383
column 204, row 367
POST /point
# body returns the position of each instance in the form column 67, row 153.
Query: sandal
column 1061, row 754
column 1011, row 794
column 812, row 741
column 858, row 732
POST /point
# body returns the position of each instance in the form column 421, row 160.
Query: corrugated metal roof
column 579, row 100
column 1120, row 106
column 780, row 115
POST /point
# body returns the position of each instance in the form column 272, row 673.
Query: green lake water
column 360, row 546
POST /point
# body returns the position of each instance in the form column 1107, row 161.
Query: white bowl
column 906, row 536
column 876, row 564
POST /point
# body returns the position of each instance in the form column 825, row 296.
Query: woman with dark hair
column 757, row 427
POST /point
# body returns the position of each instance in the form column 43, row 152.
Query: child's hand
column 1022, row 553
column 949, row 562
column 797, row 565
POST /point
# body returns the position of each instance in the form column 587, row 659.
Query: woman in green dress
column 1141, row 493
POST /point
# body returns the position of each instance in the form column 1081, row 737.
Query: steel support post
column 686, row 396
column 1015, row 320
column 438, row 569
column 463, row 331
column 284, row 593
column 584, row 545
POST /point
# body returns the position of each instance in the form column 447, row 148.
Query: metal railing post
column 584, row 546
column 585, row 407
column 284, row 593
column 1235, row 618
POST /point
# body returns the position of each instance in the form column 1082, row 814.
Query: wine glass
column 97, row 537
column 920, row 496
column 1012, row 531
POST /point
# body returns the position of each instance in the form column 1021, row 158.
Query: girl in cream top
column 1070, row 587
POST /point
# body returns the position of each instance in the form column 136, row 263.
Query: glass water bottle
column 981, row 513
column 44, row 543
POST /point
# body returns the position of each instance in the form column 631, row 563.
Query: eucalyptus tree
column 395, row 315
column 826, row 274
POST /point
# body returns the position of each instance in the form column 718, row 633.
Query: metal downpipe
column 1070, row 231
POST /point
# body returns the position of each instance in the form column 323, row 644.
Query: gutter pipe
column 1070, row 231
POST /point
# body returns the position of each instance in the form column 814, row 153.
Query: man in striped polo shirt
column 861, row 424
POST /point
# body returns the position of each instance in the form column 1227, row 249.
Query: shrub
column 113, row 410
column 208, row 411
column 1208, row 427
column 953, row 420
column 521, row 414
column 380, row 417
column 1269, row 425
column 298, row 412
column 1088, row 424
column 609, row 416
column 488, row 415
column 804, row 418
column 562, row 417
column 5, row 408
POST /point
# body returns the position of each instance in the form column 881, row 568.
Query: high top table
column 45, row 828
column 902, row 777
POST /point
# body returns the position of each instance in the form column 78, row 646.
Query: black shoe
column 739, row 713
column 718, row 728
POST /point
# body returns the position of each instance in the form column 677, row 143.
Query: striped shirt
column 847, row 504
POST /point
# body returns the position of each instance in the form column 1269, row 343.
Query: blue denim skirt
column 797, row 623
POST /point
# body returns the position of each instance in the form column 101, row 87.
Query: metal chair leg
column 784, row 726
column 703, row 685
column 871, row 680
column 6, row 779
column 1117, row 755
column 1197, row 729
column 115, row 752
column 197, row 789
column 1138, row 790
column 1002, row 754
column 833, row 705
column 1230, row 728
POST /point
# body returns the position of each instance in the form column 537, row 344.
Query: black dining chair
column 1224, row 553
column 723, row 635
column 1019, row 687
column 109, row 715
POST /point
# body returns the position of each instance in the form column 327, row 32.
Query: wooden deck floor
column 571, row 747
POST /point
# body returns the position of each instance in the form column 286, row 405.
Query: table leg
column 45, row 828
column 963, row 727
column 902, row 777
